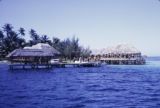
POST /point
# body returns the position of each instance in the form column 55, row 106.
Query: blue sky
column 97, row 23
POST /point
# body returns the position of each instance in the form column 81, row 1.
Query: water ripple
column 104, row 87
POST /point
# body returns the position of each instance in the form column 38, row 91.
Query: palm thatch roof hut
column 119, row 49
column 38, row 50
column 120, row 54
column 37, row 54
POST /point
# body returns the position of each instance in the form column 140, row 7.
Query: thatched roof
column 40, row 49
column 119, row 49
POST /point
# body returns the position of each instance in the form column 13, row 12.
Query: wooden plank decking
column 50, row 66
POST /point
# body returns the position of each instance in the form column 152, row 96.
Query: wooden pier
column 87, row 64
column 50, row 66
column 123, row 61
column 29, row 66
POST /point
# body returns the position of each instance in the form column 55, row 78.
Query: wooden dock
column 29, row 66
column 90, row 64
column 123, row 61
column 50, row 66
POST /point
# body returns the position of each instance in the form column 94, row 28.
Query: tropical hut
column 120, row 54
column 39, row 54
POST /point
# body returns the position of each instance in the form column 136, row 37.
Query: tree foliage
column 11, row 40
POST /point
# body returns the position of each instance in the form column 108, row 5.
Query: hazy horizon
column 98, row 23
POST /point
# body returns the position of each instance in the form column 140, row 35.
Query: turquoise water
column 110, row 86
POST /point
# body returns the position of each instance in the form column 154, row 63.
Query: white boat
column 55, row 61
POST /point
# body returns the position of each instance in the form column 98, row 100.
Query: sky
column 97, row 23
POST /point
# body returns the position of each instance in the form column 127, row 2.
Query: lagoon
column 103, row 87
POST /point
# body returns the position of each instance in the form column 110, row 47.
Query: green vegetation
column 11, row 40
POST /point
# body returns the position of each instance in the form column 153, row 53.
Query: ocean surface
column 109, row 86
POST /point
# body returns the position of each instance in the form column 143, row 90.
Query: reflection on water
column 106, row 86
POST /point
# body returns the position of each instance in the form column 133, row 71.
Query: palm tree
column 56, row 40
column 56, row 43
column 21, row 31
column 34, row 36
column 44, row 39
column 8, row 40
column 11, row 39
column 1, row 34
column 21, row 41
column 32, row 32
column 7, row 29
column 1, row 44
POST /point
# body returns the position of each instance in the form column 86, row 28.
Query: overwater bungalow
column 121, row 54
column 35, row 56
